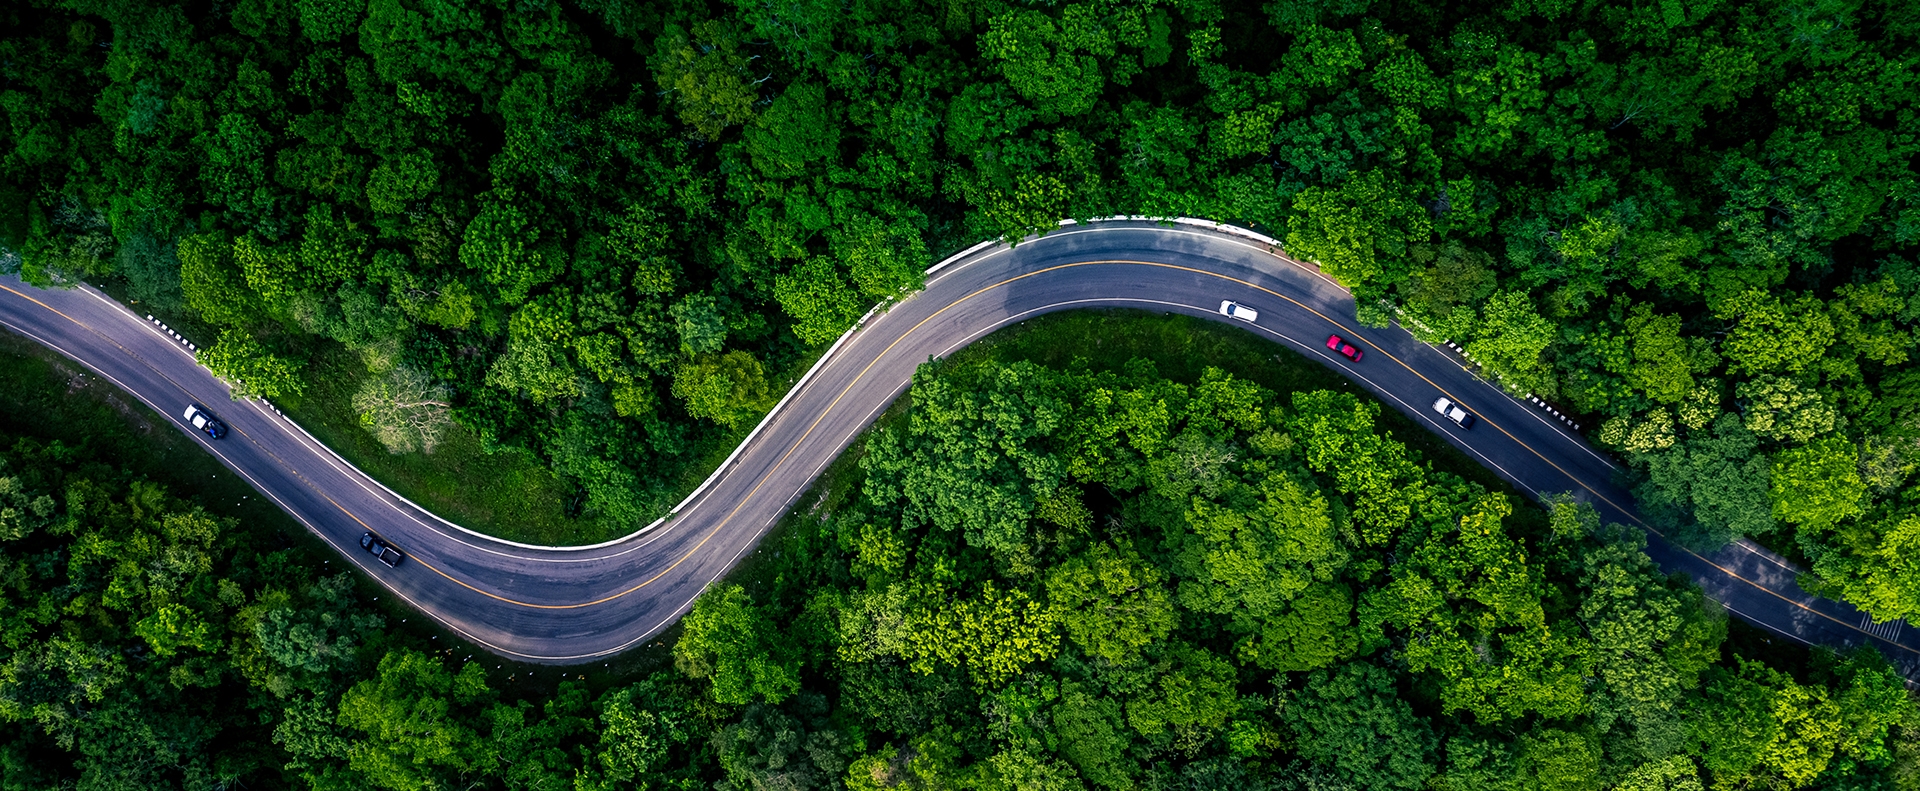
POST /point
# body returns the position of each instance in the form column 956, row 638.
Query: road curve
column 568, row 605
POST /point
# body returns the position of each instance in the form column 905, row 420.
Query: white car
column 1453, row 412
column 1235, row 310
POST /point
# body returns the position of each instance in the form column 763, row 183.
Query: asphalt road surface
column 567, row 605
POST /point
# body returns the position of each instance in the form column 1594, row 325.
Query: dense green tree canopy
column 608, row 233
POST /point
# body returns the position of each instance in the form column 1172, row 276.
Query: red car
column 1345, row 349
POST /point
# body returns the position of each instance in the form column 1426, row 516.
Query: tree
column 272, row 271
column 1337, row 437
column 1470, row 607
column 1880, row 571
column 1754, row 723
column 416, row 716
column 639, row 237
column 1510, row 339
column 1111, row 603
column 400, row 180
column 769, row 750
column 1268, row 569
column 1190, row 702
column 817, row 296
column 974, row 459
column 1650, row 641
column 702, row 324
column 1782, row 409
column 1352, row 718
column 1771, row 335
column 1357, row 231
column 23, row 512
column 332, row 248
column 1052, row 65
column 1711, row 487
column 1677, row 773
column 994, row 635
column 798, row 128
column 1454, row 278
column 734, row 645
column 885, row 258
column 211, row 284
column 1089, row 728
column 729, row 389
column 1499, row 87
column 536, row 362
column 1817, row 486
column 1543, row 758
column 405, row 410
column 640, row 728
column 1661, row 357
column 502, row 242
column 706, row 73
column 250, row 368
column 321, row 638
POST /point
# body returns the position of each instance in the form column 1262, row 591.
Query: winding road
column 570, row 605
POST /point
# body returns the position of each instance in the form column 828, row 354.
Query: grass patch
column 51, row 397
column 509, row 493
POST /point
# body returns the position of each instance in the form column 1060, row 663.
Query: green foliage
column 250, row 367
column 729, row 389
column 1651, row 640
column 1111, row 603
column 1755, row 724
column 706, row 73
column 817, row 295
column 702, row 326
column 1190, row 701
column 1773, row 335
column 415, row 714
column 1782, row 409
column 1352, row 719
column 1052, row 63
column 1359, row 231
column 1471, row 606
column 994, row 635
column 736, row 647
column 771, row 749
column 502, row 243
column 481, row 196
column 1818, row 485
column 1712, row 487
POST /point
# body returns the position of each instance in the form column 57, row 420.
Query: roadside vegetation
column 1030, row 577
column 600, row 234
column 572, row 250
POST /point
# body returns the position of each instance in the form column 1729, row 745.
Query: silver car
column 1453, row 412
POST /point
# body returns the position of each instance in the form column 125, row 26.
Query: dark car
column 1345, row 349
column 198, row 417
column 381, row 549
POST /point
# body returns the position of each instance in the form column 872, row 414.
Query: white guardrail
column 819, row 364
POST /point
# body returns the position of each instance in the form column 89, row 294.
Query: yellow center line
column 936, row 314
column 1583, row 484
column 744, row 500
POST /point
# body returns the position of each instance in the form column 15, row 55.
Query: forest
column 603, row 232
column 599, row 234
column 1030, row 579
